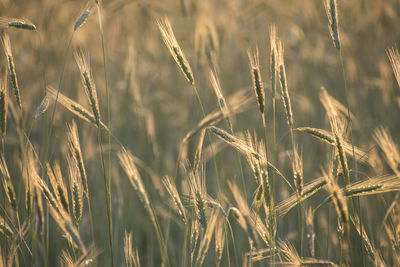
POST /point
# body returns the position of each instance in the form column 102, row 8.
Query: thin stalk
column 300, row 207
column 4, row 238
column 353, row 152
column 244, row 189
column 46, row 154
column 56, row 99
column 272, row 211
column 109, row 125
column 185, row 244
column 91, row 221
column 227, row 245
column 165, row 248
column 160, row 239
column 240, row 162
column 328, row 233
column 274, row 157
column 209, row 140
column 274, row 125
column 108, row 197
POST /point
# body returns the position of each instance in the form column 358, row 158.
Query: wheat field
column 199, row 133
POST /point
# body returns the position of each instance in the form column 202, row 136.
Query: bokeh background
column 153, row 106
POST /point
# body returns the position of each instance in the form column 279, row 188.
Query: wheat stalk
column 37, row 199
column 205, row 242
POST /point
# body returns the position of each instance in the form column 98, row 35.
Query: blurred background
column 153, row 106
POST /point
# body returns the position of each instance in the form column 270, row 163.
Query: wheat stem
column 108, row 188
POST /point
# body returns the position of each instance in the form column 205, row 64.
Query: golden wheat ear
column 128, row 164
column 273, row 58
column 198, row 196
column 58, row 185
column 11, row 67
column 338, row 200
column 284, row 85
column 256, row 78
column 82, row 60
column 220, row 97
column 332, row 13
column 172, row 44
column 7, row 184
column 394, row 58
column 76, row 153
column 173, row 192
column 3, row 104
column 75, row 108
